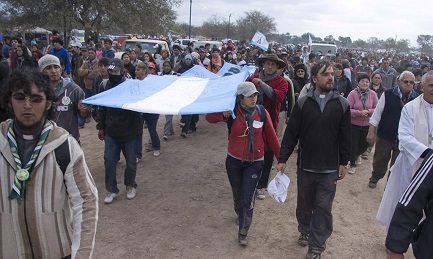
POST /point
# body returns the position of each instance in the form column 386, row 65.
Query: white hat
column 246, row 89
column 77, row 44
column 48, row 60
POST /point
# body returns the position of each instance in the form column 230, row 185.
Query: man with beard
column 119, row 129
column 272, row 90
column 320, row 121
column 69, row 104
column 49, row 199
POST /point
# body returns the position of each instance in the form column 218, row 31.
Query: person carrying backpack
column 249, row 135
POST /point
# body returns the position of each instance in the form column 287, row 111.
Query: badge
column 66, row 100
column 22, row 174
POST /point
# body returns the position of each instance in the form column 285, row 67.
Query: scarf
column 248, row 112
column 363, row 96
column 266, row 78
column 23, row 173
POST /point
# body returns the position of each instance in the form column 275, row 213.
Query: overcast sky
column 361, row 19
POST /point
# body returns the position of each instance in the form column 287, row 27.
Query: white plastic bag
column 278, row 187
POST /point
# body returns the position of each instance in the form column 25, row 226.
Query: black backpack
column 259, row 108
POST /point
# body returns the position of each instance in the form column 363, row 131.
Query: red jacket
column 280, row 86
column 238, row 146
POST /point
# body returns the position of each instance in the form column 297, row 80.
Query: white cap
column 77, row 44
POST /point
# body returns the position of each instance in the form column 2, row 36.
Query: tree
column 360, row 43
column 389, row 43
column 214, row 27
column 424, row 41
column 143, row 17
column 373, row 42
column 345, row 41
column 329, row 38
column 402, row 45
column 253, row 21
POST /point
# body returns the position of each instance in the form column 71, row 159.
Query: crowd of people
column 360, row 100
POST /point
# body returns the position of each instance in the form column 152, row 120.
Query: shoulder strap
column 63, row 157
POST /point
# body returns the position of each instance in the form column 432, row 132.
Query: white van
column 323, row 48
column 147, row 45
column 212, row 43
column 183, row 43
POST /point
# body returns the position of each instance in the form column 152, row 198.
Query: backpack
column 63, row 157
column 259, row 108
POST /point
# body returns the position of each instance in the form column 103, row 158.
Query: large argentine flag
column 196, row 91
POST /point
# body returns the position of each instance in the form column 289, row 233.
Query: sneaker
column 242, row 240
column 165, row 137
column 183, row 135
column 303, row 240
column 312, row 255
column 358, row 161
column 372, row 185
column 138, row 160
column 130, row 192
column 156, row 153
column 352, row 169
column 364, row 155
column 260, row 194
column 109, row 198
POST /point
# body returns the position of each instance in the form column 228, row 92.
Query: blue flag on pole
column 259, row 40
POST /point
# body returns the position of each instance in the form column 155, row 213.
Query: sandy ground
column 184, row 208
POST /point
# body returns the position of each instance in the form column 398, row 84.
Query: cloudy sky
column 361, row 19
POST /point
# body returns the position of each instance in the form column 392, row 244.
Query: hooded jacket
column 59, row 212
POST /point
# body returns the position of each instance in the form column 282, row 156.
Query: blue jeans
column 152, row 121
column 111, row 158
column 243, row 177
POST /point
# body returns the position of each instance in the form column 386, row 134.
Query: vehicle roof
column 146, row 40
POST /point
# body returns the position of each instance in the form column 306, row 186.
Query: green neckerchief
column 23, row 173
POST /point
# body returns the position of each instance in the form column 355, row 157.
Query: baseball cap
column 77, row 44
column 48, row 60
column 246, row 89
column 116, row 65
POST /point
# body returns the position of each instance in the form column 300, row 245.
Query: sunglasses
column 32, row 98
column 247, row 130
column 408, row 82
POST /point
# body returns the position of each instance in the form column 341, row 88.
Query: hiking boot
column 242, row 240
column 303, row 240
column 312, row 255
column 372, row 185
column 130, row 192
column 260, row 194
column 109, row 198
column 352, row 169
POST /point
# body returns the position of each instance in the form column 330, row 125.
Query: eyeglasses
column 32, row 98
column 408, row 82
column 247, row 130
column 300, row 71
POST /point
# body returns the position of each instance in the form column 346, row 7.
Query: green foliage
column 150, row 17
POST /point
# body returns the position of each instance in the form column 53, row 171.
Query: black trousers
column 316, row 192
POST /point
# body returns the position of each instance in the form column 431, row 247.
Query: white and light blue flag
column 197, row 91
column 259, row 40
